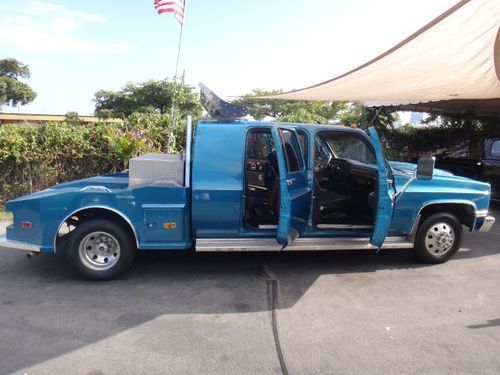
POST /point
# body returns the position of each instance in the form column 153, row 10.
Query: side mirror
column 425, row 167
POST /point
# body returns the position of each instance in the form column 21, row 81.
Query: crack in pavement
column 266, row 275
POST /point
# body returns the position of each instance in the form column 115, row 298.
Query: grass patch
column 7, row 216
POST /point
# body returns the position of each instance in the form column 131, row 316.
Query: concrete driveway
column 306, row 313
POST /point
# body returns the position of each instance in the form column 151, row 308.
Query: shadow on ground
column 42, row 299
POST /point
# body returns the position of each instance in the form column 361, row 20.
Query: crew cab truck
column 253, row 186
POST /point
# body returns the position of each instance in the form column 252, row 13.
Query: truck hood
column 408, row 169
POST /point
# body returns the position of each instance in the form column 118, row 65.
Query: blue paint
column 214, row 206
column 295, row 197
column 385, row 203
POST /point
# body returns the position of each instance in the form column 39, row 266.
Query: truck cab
column 253, row 186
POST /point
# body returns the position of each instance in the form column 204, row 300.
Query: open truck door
column 295, row 193
column 385, row 202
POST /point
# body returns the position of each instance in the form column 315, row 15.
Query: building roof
column 29, row 117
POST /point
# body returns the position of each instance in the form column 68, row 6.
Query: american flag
column 171, row 6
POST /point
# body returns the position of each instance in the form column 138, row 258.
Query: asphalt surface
column 300, row 313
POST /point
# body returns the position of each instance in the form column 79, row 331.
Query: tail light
column 26, row 224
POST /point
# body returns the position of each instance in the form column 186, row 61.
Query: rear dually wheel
column 100, row 249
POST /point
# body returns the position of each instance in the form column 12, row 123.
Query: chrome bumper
column 487, row 224
column 17, row 245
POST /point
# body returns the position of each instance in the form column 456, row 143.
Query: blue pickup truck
column 253, row 186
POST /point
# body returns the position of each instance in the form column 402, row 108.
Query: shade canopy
column 451, row 65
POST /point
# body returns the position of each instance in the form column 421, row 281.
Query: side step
column 357, row 243
column 300, row 244
column 237, row 244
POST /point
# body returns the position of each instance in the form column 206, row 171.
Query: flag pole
column 172, row 110
column 179, row 45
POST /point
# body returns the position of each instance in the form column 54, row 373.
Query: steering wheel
column 323, row 162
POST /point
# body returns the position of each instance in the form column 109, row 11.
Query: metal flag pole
column 172, row 109
column 179, row 43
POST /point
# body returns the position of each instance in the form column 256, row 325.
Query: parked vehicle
column 486, row 169
column 252, row 186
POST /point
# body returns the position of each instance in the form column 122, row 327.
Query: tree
column 12, row 90
column 72, row 118
column 291, row 110
column 150, row 96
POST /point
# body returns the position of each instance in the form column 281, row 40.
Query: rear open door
column 295, row 193
column 385, row 203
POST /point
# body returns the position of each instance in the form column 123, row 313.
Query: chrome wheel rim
column 99, row 251
column 440, row 238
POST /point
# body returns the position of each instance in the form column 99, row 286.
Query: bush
column 34, row 157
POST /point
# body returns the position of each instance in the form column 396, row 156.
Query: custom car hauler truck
column 252, row 186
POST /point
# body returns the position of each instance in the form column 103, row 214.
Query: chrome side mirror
column 425, row 167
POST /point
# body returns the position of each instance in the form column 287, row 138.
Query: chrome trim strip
column 343, row 226
column 104, row 208
column 300, row 244
column 487, row 224
column 237, row 244
column 150, row 206
column 17, row 245
column 268, row 226
column 358, row 243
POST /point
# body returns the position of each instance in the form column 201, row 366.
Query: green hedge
column 33, row 157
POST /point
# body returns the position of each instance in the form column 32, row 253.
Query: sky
column 76, row 47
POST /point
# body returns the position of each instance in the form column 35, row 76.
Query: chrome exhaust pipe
column 31, row 254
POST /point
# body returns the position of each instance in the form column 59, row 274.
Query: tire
column 100, row 249
column 438, row 238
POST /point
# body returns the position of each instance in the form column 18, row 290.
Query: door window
column 495, row 149
column 303, row 144
column 349, row 146
column 291, row 149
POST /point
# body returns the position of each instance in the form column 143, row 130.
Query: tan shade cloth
column 476, row 107
column 454, row 58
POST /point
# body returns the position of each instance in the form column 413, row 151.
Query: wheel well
column 88, row 214
column 464, row 213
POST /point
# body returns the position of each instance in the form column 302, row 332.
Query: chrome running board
column 358, row 243
column 343, row 226
column 300, row 244
column 237, row 244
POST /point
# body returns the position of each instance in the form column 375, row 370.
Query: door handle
column 291, row 181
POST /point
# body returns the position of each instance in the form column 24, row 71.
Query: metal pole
column 172, row 109
column 187, row 158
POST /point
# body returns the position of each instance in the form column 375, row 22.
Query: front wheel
column 438, row 238
column 100, row 249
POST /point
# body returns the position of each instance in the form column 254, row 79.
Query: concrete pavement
column 300, row 313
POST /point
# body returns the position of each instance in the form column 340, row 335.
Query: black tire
column 434, row 229
column 100, row 249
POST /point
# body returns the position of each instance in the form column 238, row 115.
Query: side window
column 349, row 146
column 302, row 136
column 291, row 149
column 495, row 149
column 259, row 144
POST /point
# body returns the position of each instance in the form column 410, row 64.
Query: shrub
column 34, row 157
